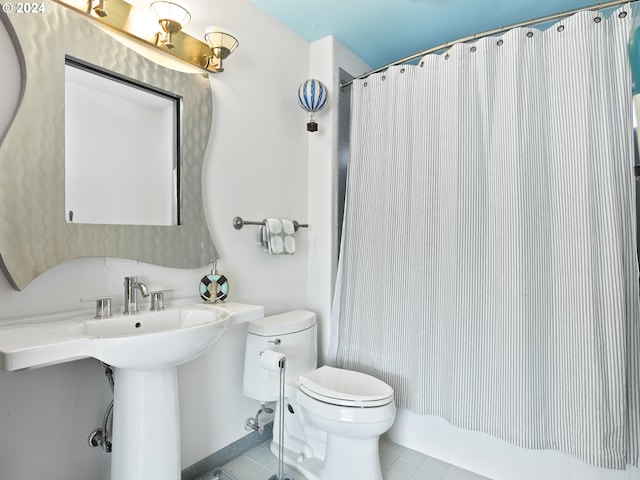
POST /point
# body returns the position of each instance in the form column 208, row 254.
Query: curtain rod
column 488, row 33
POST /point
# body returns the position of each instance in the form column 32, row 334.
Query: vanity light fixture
column 141, row 24
column 172, row 17
column 222, row 44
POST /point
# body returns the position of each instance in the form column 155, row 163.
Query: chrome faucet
column 131, row 286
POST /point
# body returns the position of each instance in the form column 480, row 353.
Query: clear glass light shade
column 171, row 13
column 221, row 41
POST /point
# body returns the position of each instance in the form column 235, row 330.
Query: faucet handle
column 103, row 306
column 157, row 300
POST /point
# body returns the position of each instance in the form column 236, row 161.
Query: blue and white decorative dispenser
column 633, row 51
column 312, row 97
column 215, row 287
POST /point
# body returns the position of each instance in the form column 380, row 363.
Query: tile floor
column 398, row 463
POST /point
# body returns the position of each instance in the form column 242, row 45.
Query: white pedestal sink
column 144, row 350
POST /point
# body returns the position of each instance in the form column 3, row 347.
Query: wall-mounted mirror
column 132, row 179
column 35, row 233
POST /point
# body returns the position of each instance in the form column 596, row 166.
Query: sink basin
column 145, row 341
column 154, row 340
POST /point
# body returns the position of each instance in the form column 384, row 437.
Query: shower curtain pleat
column 488, row 268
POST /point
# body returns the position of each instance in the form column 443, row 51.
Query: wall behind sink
column 255, row 167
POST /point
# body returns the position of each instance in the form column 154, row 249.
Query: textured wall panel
column 33, row 233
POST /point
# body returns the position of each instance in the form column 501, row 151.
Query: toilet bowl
column 333, row 417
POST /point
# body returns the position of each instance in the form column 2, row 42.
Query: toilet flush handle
column 277, row 341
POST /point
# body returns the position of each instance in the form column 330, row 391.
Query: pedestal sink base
column 146, row 425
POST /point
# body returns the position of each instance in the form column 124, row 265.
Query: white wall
column 255, row 166
column 257, row 157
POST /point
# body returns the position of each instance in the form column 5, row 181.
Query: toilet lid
column 345, row 387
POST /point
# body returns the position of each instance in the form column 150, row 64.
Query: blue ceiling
column 382, row 31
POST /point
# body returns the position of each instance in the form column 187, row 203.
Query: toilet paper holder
column 272, row 360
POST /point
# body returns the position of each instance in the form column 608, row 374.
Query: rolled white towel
column 289, row 238
column 279, row 235
column 274, row 239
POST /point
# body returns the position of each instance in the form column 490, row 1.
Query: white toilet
column 333, row 417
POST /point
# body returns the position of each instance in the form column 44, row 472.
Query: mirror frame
column 33, row 233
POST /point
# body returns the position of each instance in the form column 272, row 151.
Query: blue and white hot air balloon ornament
column 312, row 97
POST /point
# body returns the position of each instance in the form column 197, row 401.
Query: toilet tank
column 292, row 334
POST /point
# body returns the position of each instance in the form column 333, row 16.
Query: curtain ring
column 384, row 77
column 422, row 64
column 560, row 28
column 529, row 34
column 500, row 42
column 446, row 57
column 623, row 14
column 473, row 49
column 402, row 70
column 597, row 19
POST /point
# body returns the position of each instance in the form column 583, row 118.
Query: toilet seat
column 345, row 387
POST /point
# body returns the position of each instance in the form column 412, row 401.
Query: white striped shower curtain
column 488, row 268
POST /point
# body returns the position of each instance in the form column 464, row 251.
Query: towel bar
column 238, row 223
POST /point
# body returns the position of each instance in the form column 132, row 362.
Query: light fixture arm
column 169, row 27
column 220, row 53
column 99, row 9
column 172, row 18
